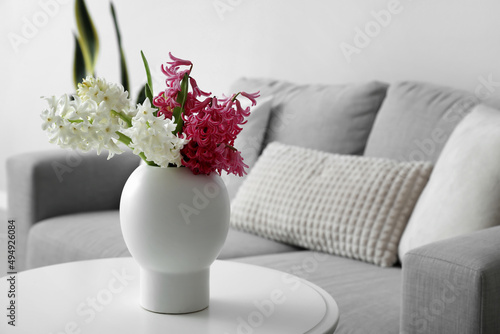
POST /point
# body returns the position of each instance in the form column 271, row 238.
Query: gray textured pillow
column 463, row 193
column 415, row 121
column 351, row 206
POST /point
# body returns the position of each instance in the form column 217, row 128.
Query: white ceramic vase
column 174, row 224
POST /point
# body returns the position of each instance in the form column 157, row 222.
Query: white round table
column 102, row 296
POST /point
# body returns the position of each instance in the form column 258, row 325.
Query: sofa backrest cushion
column 463, row 193
column 346, row 205
column 416, row 119
column 330, row 118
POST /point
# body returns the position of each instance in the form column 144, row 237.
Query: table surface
column 102, row 296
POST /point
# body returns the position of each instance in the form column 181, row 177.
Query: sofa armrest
column 453, row 286
column 51, row 183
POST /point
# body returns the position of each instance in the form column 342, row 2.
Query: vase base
column 174, row 293
column 174, row 312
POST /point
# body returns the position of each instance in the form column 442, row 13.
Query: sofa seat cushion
column 368, row 296
column 95, row 235
column 243, row 244
column 75, row 237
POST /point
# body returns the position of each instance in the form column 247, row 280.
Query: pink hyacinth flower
column 252, row 97
column 178, row 61
column 211, row 125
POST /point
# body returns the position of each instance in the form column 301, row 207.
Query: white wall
column 447, row 42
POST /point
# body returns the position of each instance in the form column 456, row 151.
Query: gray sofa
column 65, row 204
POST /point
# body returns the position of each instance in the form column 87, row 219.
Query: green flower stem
column 127, row 141
column 124, row 139
column 181, row 99
column 231, row 147
column 75, row 120
column 235, row 96
column 125, row 118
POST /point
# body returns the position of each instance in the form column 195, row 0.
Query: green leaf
column 178, row 119
column 149, row 93
column 78, row 65
column 148, row 72
column 89, row 42
column 148, row 88
column 142, row 95
column 181, row 99
column 123, row 62
column 182, row 95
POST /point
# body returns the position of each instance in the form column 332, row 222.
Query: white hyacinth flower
column 101, row 115
column 154, row 137
column 87, row 122
column 100, row 91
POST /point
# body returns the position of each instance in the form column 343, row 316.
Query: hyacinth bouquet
column 180, row 126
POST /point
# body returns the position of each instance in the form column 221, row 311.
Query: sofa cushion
column 369, row 297
column 416, row 120
column 346, row 205
column 242, row 244
column 463, row 193
column 75, row 237
column 249, row 141
column 330, row 118
column 95, row 235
